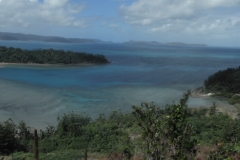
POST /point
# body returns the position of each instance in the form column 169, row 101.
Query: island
column 174, row 44
column 30, row 37
column 185, row 44
column 48, row 56
column 143, row 42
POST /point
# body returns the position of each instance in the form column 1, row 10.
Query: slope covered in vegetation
column 171, row 132
column 47, row 56
column 225, row 83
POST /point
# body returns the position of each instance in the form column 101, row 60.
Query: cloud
column 188, row 16
column 116, row 27
column 174, row 9
column 55, row 3
column 164, row 27
column 118, row 0
column 33, row 13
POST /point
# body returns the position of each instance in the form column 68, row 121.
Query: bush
column 8, row 140
column 234, row 99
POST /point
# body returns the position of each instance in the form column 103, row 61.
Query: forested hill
column 48, row 56
column 224, row 81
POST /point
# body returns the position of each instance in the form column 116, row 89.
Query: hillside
column 30, row 37
column 149, row 132
column 164, row 44
column 225, row 83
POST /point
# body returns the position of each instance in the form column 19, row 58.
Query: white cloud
column 116, row 27
column 218, row 24
column 185, row 17
column 104, row 23
column 32, row 0
column 32, row 13
column 74, row 8
column 174, row 9
column 55, row 3
column 164, row 27
column 113, row 25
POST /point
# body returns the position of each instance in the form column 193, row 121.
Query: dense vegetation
column 75, row 134
column 149, row 132
column 225, row 83
column 47, row 56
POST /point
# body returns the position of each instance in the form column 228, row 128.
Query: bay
column 137, row 73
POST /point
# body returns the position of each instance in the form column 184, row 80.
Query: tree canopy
column 224, row 81
column 48, row 56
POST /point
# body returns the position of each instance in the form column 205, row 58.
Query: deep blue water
column 131, row 65
column 136, row 73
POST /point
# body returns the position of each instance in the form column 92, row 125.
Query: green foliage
column 79, row 132
column 24, row 137
column 148, row 118
column 234, row 99
column 14, row 137
column 50, row 130
column 225, row 151
column 213, row 109
column 72, row 124
column 47, row 56
column 179, row 130
column 199, row 112
column 224, row 82
column 170, row 132
column 59, row 155
column 8, row 141
column 166, row 132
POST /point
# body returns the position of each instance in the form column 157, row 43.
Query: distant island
column 185, row 44
column 48, row 56
column 143, row 42
column 164, row 44
column 30, row 37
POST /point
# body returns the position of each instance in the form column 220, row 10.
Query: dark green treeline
column 48, row 56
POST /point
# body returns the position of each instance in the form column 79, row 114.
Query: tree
column 72, row 124
column 24, row 136
column 167, row 133
column 8, row 140
column 179, row 131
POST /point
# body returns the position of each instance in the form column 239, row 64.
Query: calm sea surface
column 136, row 74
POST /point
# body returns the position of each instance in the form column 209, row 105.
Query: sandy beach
column 198, row 93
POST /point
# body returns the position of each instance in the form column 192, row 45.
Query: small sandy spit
column 222, row 104
column 198, row 93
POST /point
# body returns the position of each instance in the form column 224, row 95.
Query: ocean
column 137, row 73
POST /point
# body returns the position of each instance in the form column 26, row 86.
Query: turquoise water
column 136, row 74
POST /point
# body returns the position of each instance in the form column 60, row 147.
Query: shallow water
column 137, row 74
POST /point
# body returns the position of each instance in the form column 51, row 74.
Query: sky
column 211, row 22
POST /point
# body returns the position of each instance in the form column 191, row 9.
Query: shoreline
column 222, row 105
column 3, row 64
column 198, row 93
